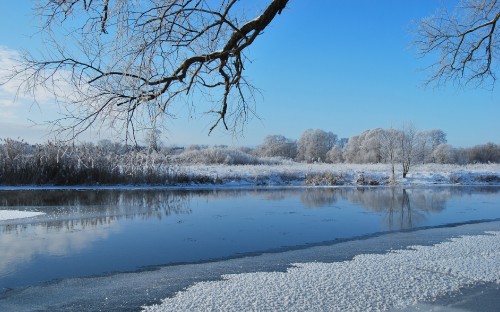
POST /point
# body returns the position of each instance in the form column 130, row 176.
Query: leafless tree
column 443, row 154
column 389, row 142
column 408, row 140
column 427, row 142
column 122, row 62
column 465, row 41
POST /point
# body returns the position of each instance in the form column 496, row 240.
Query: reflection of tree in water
column 68, row 209
column 320, row 197
column 400, row 214
column 278, row 195
column 404, row 208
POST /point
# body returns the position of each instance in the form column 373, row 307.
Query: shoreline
column 402, row 278
column 138, row 289
column 217, row 187
column 300, row 174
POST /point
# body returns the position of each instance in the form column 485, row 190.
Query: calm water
column 89, row 232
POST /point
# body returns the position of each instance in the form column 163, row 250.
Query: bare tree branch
column 465, row 43
column 123, row 60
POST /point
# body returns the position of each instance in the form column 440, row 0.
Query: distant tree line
column 376, row 146
column 109, row 162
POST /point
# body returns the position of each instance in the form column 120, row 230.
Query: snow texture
column 318, row 174
column 369, row 282
column 344, row 174
column 16, row 214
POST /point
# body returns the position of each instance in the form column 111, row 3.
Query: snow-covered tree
column 365, row 147
column 426, row 142
column 351, row 150
column 371, row 147
column 153, row 139
column 277, row 146
column 390, row 148
column 342, row 142
column 335, row 155
column 314, row 144
column 443, row 154
column 408, row 140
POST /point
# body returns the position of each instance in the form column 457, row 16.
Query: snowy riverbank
column 16, row 214
column 299, row 174
column 341, row 174
column 369, row 282
column 131, row 290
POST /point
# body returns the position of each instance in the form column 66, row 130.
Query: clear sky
column 343, row 66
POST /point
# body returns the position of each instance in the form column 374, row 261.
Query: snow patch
column 16, row 214
column 397, row 279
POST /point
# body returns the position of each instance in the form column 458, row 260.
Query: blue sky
column 342, row 66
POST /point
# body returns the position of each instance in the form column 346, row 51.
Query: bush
column 221, row 156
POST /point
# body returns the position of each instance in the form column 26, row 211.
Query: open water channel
column 102, row 233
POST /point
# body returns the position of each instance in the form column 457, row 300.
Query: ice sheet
column 397, row 279
column 16, row 214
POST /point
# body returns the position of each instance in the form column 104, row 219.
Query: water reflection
column 391, row 199
column 21, row 243
column 90, row 208
column 323, row 197
column 66, row 209
column 127, row 229
column 403, row 208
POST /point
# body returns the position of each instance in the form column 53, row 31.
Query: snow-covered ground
column 16, row 214
column 303, row 174
column 342, row 174
column 131, row 290
column 369, row 282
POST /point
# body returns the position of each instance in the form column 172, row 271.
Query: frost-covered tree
column 437, row 137
column 335, row 155
column 426, row 142
column 130, row 62
column 111, row 147
column 465, row 42
column 342, row 142
column 443, row 154
column 407, row 140
column 371, row 148
column 153, row 139
column 13, row 150
column 365, row 147
column 390, row 149
column 486, row 153
column 351, row 150
column 314, row 144
column 278, row 146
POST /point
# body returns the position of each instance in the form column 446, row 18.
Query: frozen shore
column 302, row 174
column 16, row 214
column 130, row 291
column 343, row 174
column 369, row 282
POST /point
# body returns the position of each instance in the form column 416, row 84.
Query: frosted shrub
column 62, row 164
column 324, row 179
column 221, row 156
